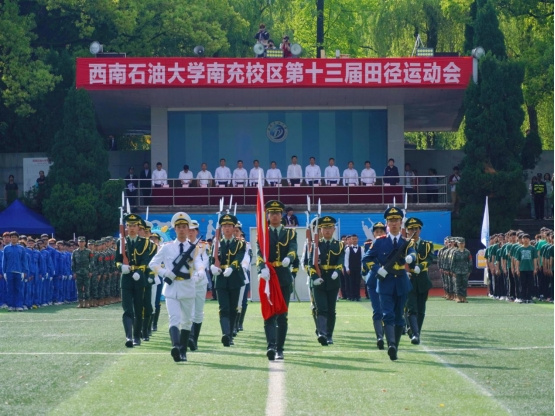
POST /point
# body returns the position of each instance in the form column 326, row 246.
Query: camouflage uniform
column 461, row 265
column 80, row 264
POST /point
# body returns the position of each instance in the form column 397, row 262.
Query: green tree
column 493, row 119
column 78, row 197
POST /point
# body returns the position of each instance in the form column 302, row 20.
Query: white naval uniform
column 201, row 282
column 180, row 295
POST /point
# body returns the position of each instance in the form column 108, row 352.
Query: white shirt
column 185, row 177
column 331, row 172
column 159, row 177
column 312, row 173
column 350, row 176
column 253, row 175
column 409, row 179
column 222, row 173
column 204, row 177
column 167, row 255
column 294, row 172
column 368, row 176
column 273, row 176
column 240, row 176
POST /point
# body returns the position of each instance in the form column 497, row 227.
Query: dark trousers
column 539, row 203
column 132, row 294
column 526, row 282
column 276, row 326
column 228, row 300
column 393, row 308
column 377, row 313
column 294, row 181
column 352, row 282
column 343, row 285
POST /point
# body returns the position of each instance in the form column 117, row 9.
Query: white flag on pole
column 484, row 237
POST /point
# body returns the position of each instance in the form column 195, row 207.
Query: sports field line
column 275, row 402
column 481, row 389
column 261, row 353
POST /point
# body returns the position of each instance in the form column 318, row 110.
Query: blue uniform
column 48, row 274
column 3, row 285
column 394, row 288
column 14, row 265
column 57, row 295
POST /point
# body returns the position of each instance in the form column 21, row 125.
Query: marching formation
column 139, row 268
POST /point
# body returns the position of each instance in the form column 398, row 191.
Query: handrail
column 419, row 189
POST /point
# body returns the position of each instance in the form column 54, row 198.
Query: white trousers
column 200, row 299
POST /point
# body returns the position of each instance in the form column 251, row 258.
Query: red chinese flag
column 271, row 298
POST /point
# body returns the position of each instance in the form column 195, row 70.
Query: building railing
column 174, row 191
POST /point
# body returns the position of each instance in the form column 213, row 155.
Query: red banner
column 137, row 73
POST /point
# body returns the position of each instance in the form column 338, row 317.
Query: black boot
column 175, row 351
column 398, row 335
column 226, row 335
column 128, row 328
column 236, row 324
column 420, row 322
column 270, row 330
column 330, row 327
column 390, row 332
column 413, row 322
column 196, row 327
column 146, row 325
column 378, row 328
column 322, row 329
column 183, row 341
column 242, row 318
column 155, row 319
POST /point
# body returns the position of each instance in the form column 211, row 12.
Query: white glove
column 136, row 276
column 201, row 275
column 416, row 269
column 286, row 262
column 125, row 269
column 408, row 259
column 150, row 280
column 334, row 275
column 215, row 270
column 382, row 272
column 228, row 271
column 318, row 281
column 264, row 274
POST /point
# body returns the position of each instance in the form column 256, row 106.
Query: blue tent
column 17, row 217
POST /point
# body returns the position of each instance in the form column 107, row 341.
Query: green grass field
column 482, row 358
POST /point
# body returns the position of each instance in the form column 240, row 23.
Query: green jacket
column 330, row 259
column 284, row 246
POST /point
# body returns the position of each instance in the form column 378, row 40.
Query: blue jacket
column 377, row 257
column 46, row 265
column 14, row 259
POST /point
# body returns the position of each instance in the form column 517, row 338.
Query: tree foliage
column 495, row 142
column 78, row 196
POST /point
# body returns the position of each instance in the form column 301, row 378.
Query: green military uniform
column 230, row 254
column 325, row 287
column 421, row 283
column 441, row 265
column 283, row 245
column 92, row 268
column 133, row 283
column 81, row 260
column 98, row 267
column 461, row 265
column 147, row 294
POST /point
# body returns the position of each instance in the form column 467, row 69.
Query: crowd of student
column 39, row 272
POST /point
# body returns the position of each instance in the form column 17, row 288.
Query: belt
column 276, row 264
column 133, row 268
column 326, row 267
column 182, row 278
